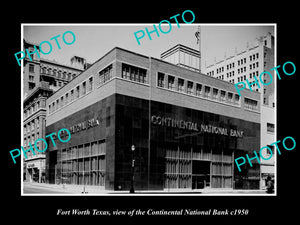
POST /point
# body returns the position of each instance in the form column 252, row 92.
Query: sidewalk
column 65, row 188
column 97, row 190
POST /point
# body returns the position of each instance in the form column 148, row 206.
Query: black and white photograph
column 162, row 118
column 166, row 114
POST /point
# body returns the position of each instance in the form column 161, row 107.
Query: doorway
column 200, row 174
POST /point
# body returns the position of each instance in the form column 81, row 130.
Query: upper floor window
column 105, row 74
column 90, row 84
column 31, row 68
column 250, row 104
column 198, row 89
column 134, row 73
column 190, row 87
column 160, row 79
column 180, row 85
column 171, row 82
column 270, row 127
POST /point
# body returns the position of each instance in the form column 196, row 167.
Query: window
column 190, row 87
column 223, row 96
column 62, row 101
column 250, row 104
column 134, row 73
column 270, row 127
column 77, row 91
column 31, row 68
column 160, row 79
column 84, row 88
column 180, row 85
column 215, row 93
column 57, row 103
column 72, row 95
column 236, row 99
column 67, row 98
column 171, row 82
column 105, row 74
column 90, row 84
column 198, row 89
column 230, row 97
column 206, row 91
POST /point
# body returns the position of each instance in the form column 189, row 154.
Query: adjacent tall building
column 41, row 78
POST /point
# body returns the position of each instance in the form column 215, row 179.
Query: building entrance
column 201, row 174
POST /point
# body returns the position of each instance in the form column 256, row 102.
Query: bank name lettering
column 188, row 125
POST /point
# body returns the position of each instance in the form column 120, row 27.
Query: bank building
column 169, row 126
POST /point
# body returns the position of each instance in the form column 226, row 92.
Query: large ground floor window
column 197, row 168
column 82, row 164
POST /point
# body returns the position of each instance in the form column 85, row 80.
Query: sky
column 93, row 41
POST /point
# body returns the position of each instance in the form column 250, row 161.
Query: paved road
column 37, row 190
column 34, row 188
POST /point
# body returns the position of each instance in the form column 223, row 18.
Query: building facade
column 247, row 64
column 186, row 127
column 41, row 78
column 34, row 124
column 242, row 66
column 39, row 69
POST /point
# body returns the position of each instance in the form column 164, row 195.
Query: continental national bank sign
column 193, row 126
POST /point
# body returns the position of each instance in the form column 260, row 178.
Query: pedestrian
column 270, row 185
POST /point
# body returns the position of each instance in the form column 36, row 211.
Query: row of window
column 252, row 66
column 80, row 90
column 191, row 88
column 242, row 70
column 34, row 107
column 239, row 62
column 253, row 57
column 250, row 104
column 31, row 126
column 31, row 139
column 134, row 73
column 57, row 73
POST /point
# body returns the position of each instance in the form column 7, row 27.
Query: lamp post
column 132, row 169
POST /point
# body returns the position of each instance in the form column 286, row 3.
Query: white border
column 147, row 24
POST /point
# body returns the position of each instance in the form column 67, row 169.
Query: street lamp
column 132, row 169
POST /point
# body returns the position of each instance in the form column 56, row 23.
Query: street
column 42, row 188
